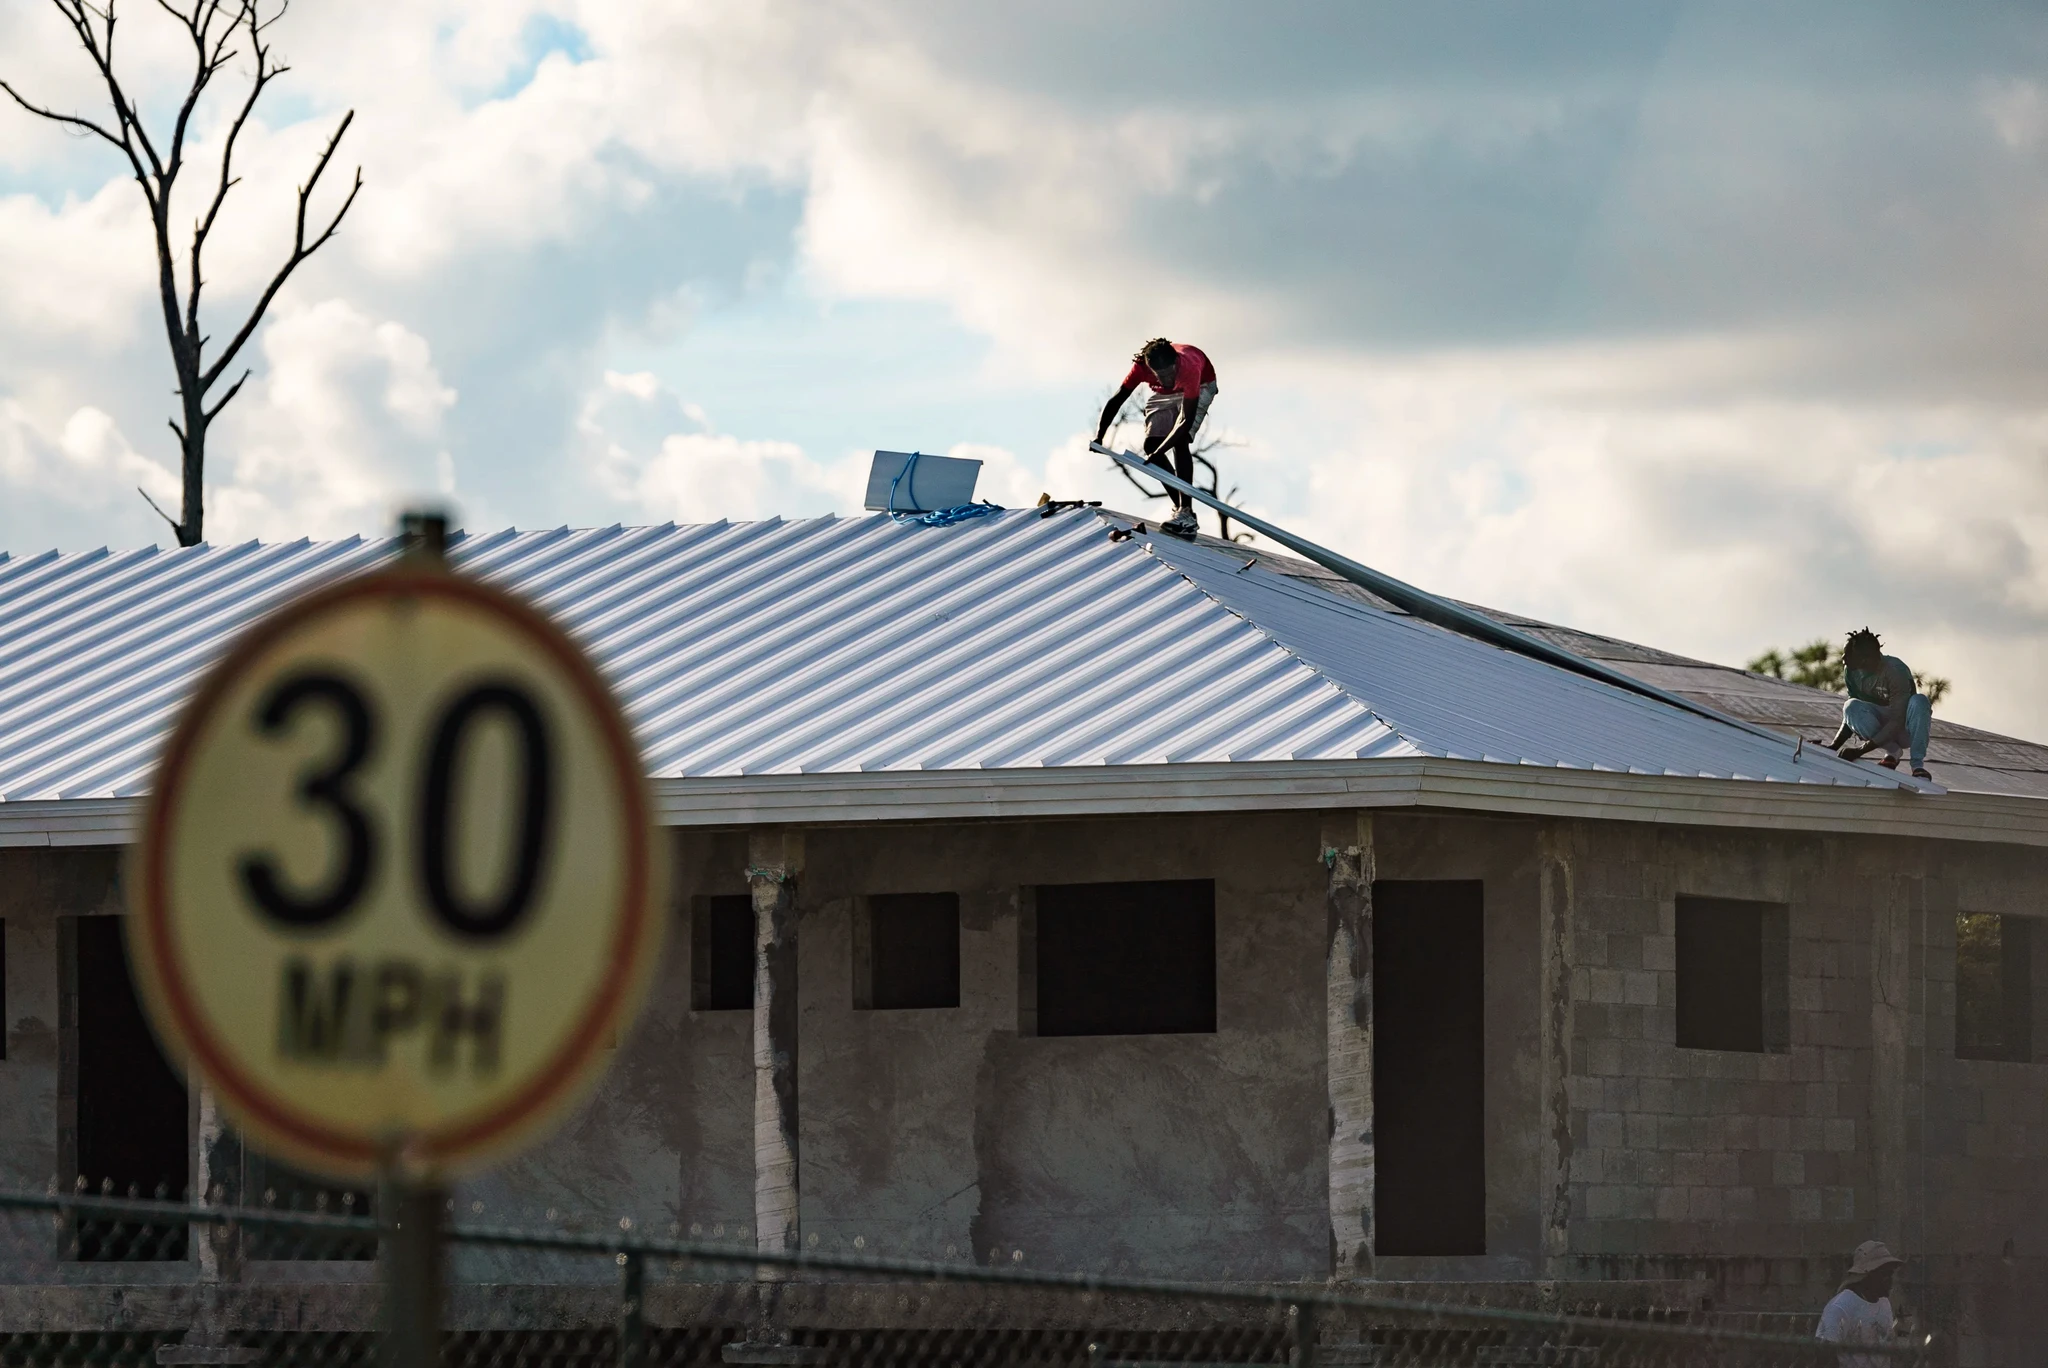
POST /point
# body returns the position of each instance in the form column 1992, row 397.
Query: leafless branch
column 54, row 117
column 300, row 251
column 233, row 390
column 263, row 75
column 175, row 529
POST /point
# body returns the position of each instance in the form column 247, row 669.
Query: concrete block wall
column 1755, row 1174
column 953, row 1134
column 1690, row 1152
column 950, row 1134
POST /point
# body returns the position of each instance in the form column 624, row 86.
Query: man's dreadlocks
column 1158, row 347
column 1860, row 641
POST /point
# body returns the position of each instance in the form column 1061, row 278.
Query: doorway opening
column 1429, row 1066
column 132, row 1139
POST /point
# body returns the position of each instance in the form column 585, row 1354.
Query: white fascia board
column 1477, row 786
column 69, row 821
column 1124, row 790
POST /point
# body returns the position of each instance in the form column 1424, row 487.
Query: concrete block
column 1642, row 1131
column 1806, row 1204
column 1840, row 1134
column 1606, row 1130
column 1672, row 1203
column 1660, row 953
column 1645, row 1058
column 1788, row 1168
column 1606, row 986
column 1624, row 951
column 1677, row 1132
column 1639, row 988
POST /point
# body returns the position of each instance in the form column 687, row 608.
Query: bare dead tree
column 221, row 31
column 1132, row 420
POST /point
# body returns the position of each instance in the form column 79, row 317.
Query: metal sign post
column 397, row 889
column 412, row 1270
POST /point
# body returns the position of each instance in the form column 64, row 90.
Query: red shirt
column 1193, row 372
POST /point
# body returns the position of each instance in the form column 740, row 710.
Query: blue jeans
column 1865, row 719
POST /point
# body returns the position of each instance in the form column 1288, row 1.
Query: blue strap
column 938, row 517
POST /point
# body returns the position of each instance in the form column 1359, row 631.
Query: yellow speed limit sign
column 397, row 884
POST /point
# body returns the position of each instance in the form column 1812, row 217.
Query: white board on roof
column 932, row 482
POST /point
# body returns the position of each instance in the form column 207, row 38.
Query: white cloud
column 2018, row 112
column 73, row 274
column 656, row 454
column 343, row 425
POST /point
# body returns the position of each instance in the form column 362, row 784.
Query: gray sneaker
column 1181, row 524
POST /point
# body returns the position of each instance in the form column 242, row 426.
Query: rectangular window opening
column 132, row 1137
column 1994, row 987
column 1126, row 958
column 1429, row 1066
column 906, row 951
column 1732, row 963
column 722, row 953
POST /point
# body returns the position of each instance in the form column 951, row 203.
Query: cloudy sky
column 1713, row 326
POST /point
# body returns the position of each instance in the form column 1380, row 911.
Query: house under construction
column 1159, row 907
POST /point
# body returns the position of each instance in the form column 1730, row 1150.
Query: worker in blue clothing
column 1885, row 709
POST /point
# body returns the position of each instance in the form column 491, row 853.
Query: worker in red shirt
column 1183, row 384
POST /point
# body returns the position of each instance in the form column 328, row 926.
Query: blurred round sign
column 396, row 887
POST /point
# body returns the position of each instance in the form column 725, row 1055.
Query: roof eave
column 859, row 798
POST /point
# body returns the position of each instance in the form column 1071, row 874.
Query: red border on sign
column 176, row 998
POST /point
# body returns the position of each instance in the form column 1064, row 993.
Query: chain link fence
column 120, row 1281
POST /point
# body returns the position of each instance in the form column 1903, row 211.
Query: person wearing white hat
column 1861, row 1313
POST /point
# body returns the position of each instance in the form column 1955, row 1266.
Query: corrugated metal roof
column 861, row 644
